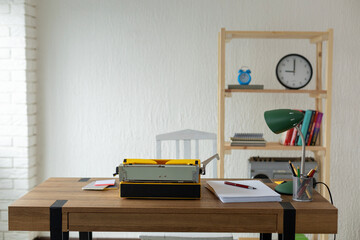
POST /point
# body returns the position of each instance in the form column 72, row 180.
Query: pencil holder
column 303, row 188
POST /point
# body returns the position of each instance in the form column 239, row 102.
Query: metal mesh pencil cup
column 303, row 188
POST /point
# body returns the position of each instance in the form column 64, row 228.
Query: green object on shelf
column 281, row 120
column 300, row 237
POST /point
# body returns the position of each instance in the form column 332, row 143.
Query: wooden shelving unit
column 320, row 94
column 274, row 146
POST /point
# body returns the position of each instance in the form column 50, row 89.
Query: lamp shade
column 281, row 120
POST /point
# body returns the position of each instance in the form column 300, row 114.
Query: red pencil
column 238, row 185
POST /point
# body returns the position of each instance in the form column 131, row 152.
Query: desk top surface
column 106, row 204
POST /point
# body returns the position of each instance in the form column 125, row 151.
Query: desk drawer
column 160, row 222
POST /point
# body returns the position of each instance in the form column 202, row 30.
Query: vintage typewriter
column 161, row 178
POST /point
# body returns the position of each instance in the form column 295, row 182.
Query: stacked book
column 252, row 86
column 310, row 128
column 248, row 139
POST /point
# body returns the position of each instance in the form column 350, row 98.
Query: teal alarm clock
column 244, row 77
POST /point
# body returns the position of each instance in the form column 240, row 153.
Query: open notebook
column 228, row 193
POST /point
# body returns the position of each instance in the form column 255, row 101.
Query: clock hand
column 294, row 66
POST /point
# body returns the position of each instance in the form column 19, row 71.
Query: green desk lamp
column 281, row 120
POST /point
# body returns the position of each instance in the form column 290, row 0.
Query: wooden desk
column 86, row 211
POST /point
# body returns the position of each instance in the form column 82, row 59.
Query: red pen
column 238, row 185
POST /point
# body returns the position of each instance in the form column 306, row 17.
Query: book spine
column 312, row 120
column 317, row 129
column 293, row 137
column 299, row 126
column 305, row 125
column 313, row 124
column 288, row 136
column 298, row 135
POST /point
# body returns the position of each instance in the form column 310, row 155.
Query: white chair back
column 187, row 136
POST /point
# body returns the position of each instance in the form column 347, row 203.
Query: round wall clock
column 294, row 71
column 244, row 77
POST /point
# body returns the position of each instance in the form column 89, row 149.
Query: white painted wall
column 113, row 74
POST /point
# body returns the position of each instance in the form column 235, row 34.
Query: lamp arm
column 302, row 166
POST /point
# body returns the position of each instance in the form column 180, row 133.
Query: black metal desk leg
column 85, row 235
column 289, row 221
column 56, row 220
column 265, row 236
column 65, row 235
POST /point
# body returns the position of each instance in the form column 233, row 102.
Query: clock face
column 294, row 71
column 244, row 77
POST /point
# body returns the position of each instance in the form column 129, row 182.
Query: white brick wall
column 17, row 106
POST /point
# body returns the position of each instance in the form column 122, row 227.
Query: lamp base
column 285, row 188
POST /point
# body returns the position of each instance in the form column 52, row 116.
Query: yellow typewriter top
column 133, row 161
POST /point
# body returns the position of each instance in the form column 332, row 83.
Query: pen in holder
column 303, row 188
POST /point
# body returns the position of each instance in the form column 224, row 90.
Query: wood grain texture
column 311, row 92
column 221, row 102
column 274, row 146
column 181, row 222
column 105, row 211
column 277, row 35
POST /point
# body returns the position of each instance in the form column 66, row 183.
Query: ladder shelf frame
column 321, row 152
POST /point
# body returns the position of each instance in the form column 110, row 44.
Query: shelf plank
column 312, row 93
column 277, row 91
column 273, row 146
column 277, row 35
